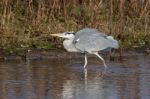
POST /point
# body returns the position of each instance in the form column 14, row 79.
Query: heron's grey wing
column 91, row 41
column 88, row 31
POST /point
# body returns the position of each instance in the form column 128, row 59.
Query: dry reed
column 28, row 23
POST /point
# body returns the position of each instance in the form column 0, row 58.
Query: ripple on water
column 66, row 79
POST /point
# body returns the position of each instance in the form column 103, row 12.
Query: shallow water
column 66, row 79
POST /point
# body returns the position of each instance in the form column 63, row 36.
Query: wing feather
column 90, row 40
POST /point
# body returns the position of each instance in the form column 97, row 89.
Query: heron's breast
column 69, row 46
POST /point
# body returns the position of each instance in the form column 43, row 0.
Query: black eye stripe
column 69, row 33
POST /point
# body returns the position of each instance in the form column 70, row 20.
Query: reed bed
column 28, row 24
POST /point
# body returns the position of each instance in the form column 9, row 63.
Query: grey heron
column 88, row 40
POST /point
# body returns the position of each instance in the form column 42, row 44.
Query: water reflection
column 66, row 79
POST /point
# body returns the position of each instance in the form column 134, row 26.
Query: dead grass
column 28, row 23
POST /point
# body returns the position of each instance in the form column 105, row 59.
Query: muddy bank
column 40, row 54
column 59, row 53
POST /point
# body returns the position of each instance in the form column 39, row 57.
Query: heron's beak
column 58, row 35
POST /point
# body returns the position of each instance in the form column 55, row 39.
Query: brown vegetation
column 28, row 23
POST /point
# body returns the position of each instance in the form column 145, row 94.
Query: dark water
column 66, row 79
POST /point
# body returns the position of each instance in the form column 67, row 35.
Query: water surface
column 63, row 78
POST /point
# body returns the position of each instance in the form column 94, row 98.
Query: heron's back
column 90, row 40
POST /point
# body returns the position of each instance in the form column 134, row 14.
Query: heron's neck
column 68, row 45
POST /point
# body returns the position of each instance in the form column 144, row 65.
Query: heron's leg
column 96, row 53
column 85, row 64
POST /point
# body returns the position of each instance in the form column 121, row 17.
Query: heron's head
column 66, row 35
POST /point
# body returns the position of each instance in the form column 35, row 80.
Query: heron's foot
column 105, row 70
column 104, row 73
column 85, row 66
column 106, row 67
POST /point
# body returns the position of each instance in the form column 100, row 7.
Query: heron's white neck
column 68, row 45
